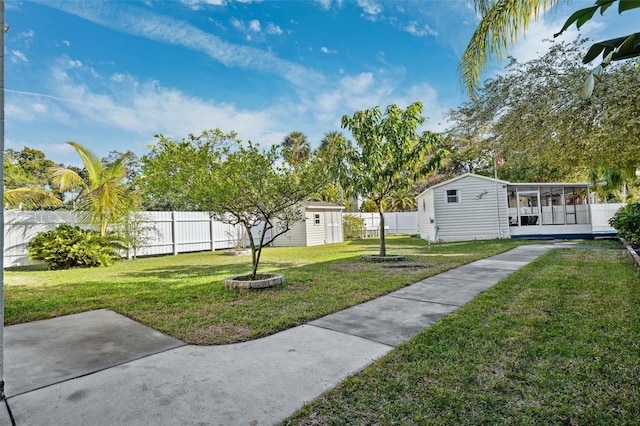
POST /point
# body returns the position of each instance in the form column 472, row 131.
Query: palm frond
column 30, row 198
column 66, row 179
column 91, row 162
column 502, row 22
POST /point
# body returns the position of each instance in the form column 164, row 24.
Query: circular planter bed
column 233, row 252
column 378, row 258
column 261, row 281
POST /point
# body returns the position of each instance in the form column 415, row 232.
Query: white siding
column 295, row 237
column 475, row 216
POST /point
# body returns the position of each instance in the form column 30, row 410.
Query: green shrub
column 352, row 226
column 68, row 246
column 627, row 222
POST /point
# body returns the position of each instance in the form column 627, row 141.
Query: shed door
column 332, row 227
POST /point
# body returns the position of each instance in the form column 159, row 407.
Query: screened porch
column 541, row 209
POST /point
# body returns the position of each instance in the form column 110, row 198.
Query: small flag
column 499, row 159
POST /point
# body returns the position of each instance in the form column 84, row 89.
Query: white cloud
column 66, row 43
column 254, row 25
column 325, row 4
column 19, row 56
column 327, row 50
column 370, row 7
column 420, row 30
column 237, row 24
column 198, row 4
column 28, row 34
column 140, row 22
column 132, row 108
column 532, row 44
column 273, row 29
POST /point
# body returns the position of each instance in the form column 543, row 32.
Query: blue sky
column 109, row 75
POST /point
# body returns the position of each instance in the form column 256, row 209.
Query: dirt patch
column 388, row 268
column 221, row 334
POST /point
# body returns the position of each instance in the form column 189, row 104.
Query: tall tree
column 326, row 154
column 502, row 21
column 544, row 129
column 103, row 196
column 389, row 154
column 238, row 184
column 28, row 167
column 172, row 170
column 27, row 182
column 296, row 148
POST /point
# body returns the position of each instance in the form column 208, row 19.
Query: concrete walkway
column 100, row 368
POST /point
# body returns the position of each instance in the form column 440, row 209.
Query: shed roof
column 323, row 205
column 504, row 182
column 463, row 176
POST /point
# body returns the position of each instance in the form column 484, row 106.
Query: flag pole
column 495, row 178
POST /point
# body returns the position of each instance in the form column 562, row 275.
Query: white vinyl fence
column 174, row 232
column 181, row 232
column 394, row 223
column 600, row 215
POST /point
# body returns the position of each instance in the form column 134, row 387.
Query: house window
column 316, row 218
column 453, row 196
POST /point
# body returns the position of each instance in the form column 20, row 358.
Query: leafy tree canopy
column 28, row 167
column 174, row 171
column 388, row 156
column 502, row 21
column 536, row 119
column 239, row 184
column 27, row 182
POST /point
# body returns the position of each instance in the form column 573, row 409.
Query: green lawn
column 183, row 295
column 558, row 342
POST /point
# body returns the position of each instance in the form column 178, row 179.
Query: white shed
column 322, row 224
column 468, row 207
column 474, row 207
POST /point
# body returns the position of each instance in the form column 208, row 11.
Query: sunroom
column 548, row 209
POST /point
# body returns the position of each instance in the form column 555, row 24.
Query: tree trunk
column 255, row 256
column 383, row 246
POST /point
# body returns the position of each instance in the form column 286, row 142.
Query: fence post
column 173, row 233
column 213, row 243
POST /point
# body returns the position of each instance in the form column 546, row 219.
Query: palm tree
column 402, row 201
column 295, row 148
column 329, row 144
column 503, row 20
column 103, row 194
column 617, row 180
column 30, row 198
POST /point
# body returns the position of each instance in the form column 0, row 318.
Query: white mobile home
column 322, row 224
column 474, row 207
